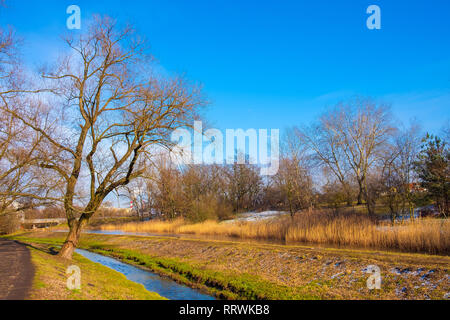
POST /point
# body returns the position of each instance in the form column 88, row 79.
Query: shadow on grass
column 52, row 250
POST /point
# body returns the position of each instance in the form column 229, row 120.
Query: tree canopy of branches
column 350, row 140
column 21, row 184
column 194, row 192
column 106, row 112
column 243, row 186
column 295, row 185
column 293, row 182
column 397, row 174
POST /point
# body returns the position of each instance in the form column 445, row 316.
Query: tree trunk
column 370, row 207
column 360, row 195
column 348, row 194
column 291, row 210
column 72, row 240
column 370, row 200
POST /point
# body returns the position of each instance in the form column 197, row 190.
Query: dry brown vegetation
column 424, row 235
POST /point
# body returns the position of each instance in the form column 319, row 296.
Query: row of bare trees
column 357, row 146
column 200, row 192
column 352, row 155
column 196, row 192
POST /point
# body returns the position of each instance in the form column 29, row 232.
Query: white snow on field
column 257, row 216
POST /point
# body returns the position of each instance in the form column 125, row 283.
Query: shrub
column 9, row 223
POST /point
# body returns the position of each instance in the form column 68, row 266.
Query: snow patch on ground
column 258, row 216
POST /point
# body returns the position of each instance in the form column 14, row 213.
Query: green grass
column 97, row 281
column 222, row 284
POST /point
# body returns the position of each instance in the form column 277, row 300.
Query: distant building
column 416, row 187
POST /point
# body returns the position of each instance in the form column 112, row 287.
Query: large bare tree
column 350, row 139
column 108, row 111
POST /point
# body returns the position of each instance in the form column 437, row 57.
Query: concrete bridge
column 41, row 223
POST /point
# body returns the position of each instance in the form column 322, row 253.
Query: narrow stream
column 151, row 281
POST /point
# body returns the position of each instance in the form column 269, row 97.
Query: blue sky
column 274, row 64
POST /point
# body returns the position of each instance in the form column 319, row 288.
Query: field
column 241, row 270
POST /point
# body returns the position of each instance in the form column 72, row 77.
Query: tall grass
column 350, row 229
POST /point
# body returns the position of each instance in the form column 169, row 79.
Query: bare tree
column 295, row 185
column 398, row 171
column 108, row 111
column 21, row 184
column 332, row 193
column 351, row 138
column 326, row 146
column 243, row 185
column 164, row 185
column 293, row 180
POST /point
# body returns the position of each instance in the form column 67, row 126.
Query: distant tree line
column 353, row 155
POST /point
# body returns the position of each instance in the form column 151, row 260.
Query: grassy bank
column 258, row 271
column 425, row 235
column 224, row 285
column 97, row 282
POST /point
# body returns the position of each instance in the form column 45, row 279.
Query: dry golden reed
column 353, row 230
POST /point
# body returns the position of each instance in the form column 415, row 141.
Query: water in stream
column 151, row 281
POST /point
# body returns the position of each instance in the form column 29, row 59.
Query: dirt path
column 16, row 270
